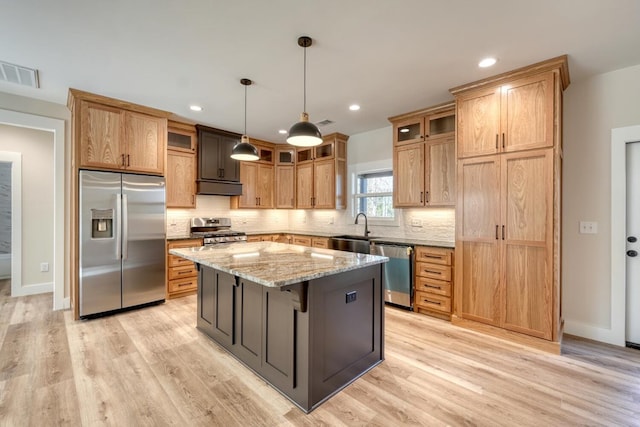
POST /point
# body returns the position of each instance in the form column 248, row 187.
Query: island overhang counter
column 307, row 320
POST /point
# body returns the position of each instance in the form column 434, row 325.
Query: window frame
column 359, row 196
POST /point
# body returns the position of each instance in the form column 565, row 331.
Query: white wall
column 36, row 148
column 593, row 107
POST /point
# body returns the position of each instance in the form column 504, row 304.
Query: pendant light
column 304, row 133
column 244, row 150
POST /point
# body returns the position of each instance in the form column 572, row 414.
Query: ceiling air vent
column 324, row 122
column 17, row 74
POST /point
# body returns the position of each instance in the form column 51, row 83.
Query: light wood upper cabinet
column 181, row 179
column 441, row 172
column 181, row 165
column 304, row 186
column 112, row 137
column 101, row 136
column 321, row 174
column 146, row 138
column 514, row 116
column 285, row 187
column 424, row 125
column 424, row 171
column 258, row 179
column 325, row 184
column 409, row 174
column 257, row 186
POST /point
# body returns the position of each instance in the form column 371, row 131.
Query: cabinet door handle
column 259, row 201
column 427, row 196
column 431, row 286
column 122, row 159
column 497, row 141
column 496, row 231
column 421, row 197
column 433, row 272
column 184, row 284
column 193, row 199
column 503, row 232
column 128, row 162
column 432, row 302
column 502, row 139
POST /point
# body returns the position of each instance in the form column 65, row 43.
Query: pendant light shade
column 244, row 150
column 304, row 133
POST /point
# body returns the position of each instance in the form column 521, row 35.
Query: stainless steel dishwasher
column 398, row 273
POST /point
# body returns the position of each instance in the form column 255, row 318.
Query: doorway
column 5, row 219
column 620, row 139
column 56, row 128
column 632, row 330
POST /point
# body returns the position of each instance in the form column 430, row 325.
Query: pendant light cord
column 304, row 84
column 245, row 109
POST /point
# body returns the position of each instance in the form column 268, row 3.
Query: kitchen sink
column 351, row 243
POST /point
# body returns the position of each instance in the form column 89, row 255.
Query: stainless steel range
column 215, row 231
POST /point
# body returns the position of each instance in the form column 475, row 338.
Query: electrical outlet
column 416, row 222
column 588, row 227
column 44, row 267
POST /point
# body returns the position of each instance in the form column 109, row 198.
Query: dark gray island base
column 308, row 338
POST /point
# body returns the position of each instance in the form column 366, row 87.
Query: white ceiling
column 389, row 56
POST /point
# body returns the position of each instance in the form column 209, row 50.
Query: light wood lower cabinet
column 433, row 281
column 505, row 236
column 182, row 276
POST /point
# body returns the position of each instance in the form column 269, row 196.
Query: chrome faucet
column 366, row 225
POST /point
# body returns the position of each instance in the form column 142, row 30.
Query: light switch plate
column 588, row 227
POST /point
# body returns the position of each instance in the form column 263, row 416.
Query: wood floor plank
column 153, row 367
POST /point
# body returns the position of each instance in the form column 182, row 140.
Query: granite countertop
column 375, row 239
column 276, row 264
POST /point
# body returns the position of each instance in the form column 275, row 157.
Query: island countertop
column 276, row 264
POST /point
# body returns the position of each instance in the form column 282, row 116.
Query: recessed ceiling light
column 282, row 131
column 195, row 108
column 487, row 62
column 354, row 107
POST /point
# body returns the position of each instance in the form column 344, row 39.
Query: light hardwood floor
column 152, row 367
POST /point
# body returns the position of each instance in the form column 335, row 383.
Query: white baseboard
column 66, row 303
column 595, row 333
column 37, row 288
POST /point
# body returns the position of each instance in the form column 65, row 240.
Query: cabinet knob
column 632, row 253
column 632, row 239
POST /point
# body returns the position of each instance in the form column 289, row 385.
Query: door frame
column 619, row 139
column 56, row 127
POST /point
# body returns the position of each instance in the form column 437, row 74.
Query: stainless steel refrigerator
column 122, row 241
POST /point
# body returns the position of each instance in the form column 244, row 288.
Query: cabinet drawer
column 433, row 302
column 433, row 271
column 182, row 285
column 320, row 242
column 433, row 286
column 303, row 241
column 182, row 271
column 176, row 261
column 434, row 255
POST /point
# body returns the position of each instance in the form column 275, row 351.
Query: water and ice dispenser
column 101, row 223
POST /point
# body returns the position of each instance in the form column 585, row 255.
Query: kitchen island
column 307, row 320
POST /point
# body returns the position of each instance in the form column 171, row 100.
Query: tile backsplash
column 437, row 224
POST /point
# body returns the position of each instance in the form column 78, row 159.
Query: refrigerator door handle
column 125, row 226
column 118, row 227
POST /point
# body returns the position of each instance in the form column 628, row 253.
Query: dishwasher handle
column 392, row 251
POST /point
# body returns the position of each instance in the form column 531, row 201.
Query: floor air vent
column 17, row 74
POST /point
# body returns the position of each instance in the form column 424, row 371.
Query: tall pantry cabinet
column 509, row 150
